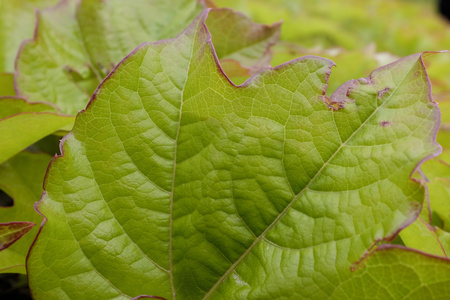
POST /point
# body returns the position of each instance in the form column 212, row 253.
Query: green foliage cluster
column 192, row 169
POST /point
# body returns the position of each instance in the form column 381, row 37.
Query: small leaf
column 236, row 38
column 176, row 183
column 444, row 238
column 11, row 232
column 21, row 177
column 23, row 123
column 395, row 272
column 422, row 236
column 438, row 167
column 439, row 190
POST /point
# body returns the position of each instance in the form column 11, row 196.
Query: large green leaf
column 97, row 34
column 178, row 184
column 21, row 177
column 23, row 123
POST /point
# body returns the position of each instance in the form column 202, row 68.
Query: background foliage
column 49, row 70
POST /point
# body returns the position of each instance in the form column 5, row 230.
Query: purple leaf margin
column 338, row 97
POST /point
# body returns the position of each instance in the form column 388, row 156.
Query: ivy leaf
column 97, row 34
column 21, row 178
column 176, row 183
column 23, row 123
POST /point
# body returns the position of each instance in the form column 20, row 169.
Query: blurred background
column 358, row 36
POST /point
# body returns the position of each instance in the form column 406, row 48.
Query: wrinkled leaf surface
column 97, row 34
column 176, row 183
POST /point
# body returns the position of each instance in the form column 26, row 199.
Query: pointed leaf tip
column 12, row 232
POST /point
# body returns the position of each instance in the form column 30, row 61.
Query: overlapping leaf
column 176, row 183
column 74, row 49
column 21, row 177
column 353, row 24
column 16, row 24
column 12, row 232
column 422, row 236
column 394, row 272
column 23, row 123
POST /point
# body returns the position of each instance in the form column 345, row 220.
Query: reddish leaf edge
column 415, row 211
column 376, row 246
column 34, row 40
column 23, row 99
column 204, row 3
column 24, row 227
column 147, row 296
column 36, row 113
column 274, row 26
column 11, row 267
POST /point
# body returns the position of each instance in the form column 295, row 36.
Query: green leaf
column 444, row 238
column 97, row 34
column 357, row 63
column 21, row 178
column 176, row 183
column 47, row 72
column 15, row 105
column 444, row 130
column 437, row 172
column 438, row 167
column 354, row 24
column 16, row 24
column 7, row 84
column 395, row 272
column 237, row 39
column 439, row 190
column 12, row 232
column 23, row 123
column 422, row 236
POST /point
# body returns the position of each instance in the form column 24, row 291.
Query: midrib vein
column 172, row 285
column 284, row 212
